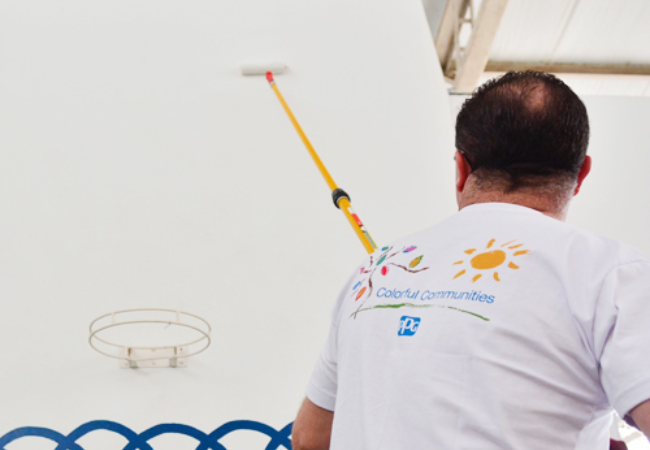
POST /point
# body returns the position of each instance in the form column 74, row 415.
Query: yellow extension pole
column 340, row 197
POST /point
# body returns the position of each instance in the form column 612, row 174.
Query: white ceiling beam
column 433, row 10
column 577, row 68
column 476, row 54
column 446, row 30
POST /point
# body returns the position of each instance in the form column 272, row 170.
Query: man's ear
column 463, row 170
column 584, row 171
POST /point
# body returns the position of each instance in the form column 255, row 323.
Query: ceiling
column 599, row 47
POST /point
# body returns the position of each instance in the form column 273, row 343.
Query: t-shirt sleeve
column 625, row 357
column 323, row 383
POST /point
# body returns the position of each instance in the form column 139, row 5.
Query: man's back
column 498, row 328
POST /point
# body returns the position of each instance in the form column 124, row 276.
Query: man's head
column 524, row 132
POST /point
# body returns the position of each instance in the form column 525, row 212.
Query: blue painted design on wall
column 279, row 439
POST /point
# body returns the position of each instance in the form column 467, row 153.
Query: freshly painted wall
column 138, row 168
column 614, row 200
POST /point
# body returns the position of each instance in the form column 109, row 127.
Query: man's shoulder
column 616, row 251
column 500, row 222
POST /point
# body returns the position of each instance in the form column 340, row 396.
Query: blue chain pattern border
column 279, row 438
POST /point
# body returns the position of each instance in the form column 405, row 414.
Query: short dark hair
column 523, row 129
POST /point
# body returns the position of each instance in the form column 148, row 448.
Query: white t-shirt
column 499, row 328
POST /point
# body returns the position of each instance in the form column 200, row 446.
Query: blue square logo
column 408, row 326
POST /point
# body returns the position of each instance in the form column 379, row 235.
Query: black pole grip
column 338, row 194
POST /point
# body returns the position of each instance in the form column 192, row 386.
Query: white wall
column 139, row 169
column 614, row 200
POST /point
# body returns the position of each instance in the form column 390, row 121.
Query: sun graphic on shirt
column 491, row 259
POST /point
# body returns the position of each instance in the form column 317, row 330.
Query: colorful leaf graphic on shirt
column 356, row 286
column 385, row 257
column 416, row 261
column 491, row 259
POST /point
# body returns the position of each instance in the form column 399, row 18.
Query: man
column 501, row 327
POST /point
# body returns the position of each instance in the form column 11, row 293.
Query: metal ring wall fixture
column 205, row 334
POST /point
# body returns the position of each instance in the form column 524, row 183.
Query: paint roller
column 339, row 196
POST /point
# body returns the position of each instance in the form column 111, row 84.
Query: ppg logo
column 408, row 326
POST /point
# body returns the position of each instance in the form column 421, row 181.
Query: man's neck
column 548, row 205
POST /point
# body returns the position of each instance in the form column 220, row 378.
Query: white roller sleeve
column 261, row 69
